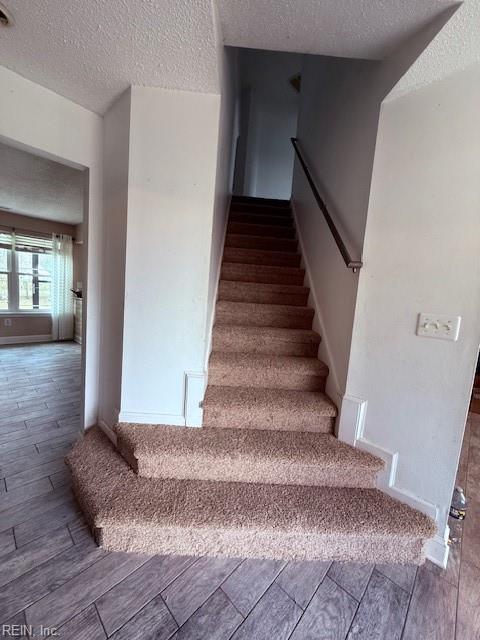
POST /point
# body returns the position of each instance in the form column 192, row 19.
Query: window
column 26, row 264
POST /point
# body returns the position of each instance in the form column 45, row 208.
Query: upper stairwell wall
column 337, row 128
column 269, row 107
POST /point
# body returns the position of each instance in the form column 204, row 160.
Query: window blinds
column 32, row 244
column 25, row 242
column 5, row 239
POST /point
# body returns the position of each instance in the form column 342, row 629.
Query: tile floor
column 52, row 573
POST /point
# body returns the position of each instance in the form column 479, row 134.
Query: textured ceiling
column 91, row 50
column 39, row 187
column 456, row 47
column 368, row 29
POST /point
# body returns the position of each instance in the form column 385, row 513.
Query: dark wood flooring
column 53, row 575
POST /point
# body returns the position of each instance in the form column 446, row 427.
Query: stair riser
column 267, row 231
column 257, row 218
column 261, row 210
column 265, row 319
column 271, row 419
column 261, row 544
column 262, row 274
column 265, row 244
column 249, row 469
column 230, row 294
column 269, row 258
column 268, row 419
column 264, row 379
column 266, row 346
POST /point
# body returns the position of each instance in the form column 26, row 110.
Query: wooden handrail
column 354, row 265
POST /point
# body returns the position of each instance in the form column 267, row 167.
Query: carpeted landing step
column 195, row 517
column 272, row 409
column 268, row 372
column 243, row 455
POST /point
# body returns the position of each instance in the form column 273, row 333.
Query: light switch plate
column 432, row 325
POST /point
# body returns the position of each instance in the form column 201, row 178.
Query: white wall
column 172, row 158
column 272, row 121
column 422, row 248
column 115, row 194
column 227, row 143
column 38, row 120
column 337, row 128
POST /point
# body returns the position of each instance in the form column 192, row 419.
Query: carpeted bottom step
column 244, row 455
column 192, row 517
column 271, row 409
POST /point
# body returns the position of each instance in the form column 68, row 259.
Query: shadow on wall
column 269, row 110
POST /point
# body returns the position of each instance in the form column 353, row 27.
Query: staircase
column 265, row 476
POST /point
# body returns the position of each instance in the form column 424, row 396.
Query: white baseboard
column 108, row 431
column 352, row 430
column 25, row 339
column 318, row 322
column 437, row 549
column 152, row 418
column 194, row 392
column 217, row 281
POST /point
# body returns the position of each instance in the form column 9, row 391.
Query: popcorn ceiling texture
column 456, row 47
column 352, row 28
column 91, row 51
column 40, row 187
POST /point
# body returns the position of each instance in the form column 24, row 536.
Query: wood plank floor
column 52, row 573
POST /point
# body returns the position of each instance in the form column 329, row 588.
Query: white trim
column 318, row 322
column 25, row 339
column 352, row 430
column 217, row 282
column 437, row 549
column 194, row 392
column 152, row 418
column 21, row 314
column 108, row 431
column 351, row 419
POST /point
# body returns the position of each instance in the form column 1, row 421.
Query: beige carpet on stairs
column 264, row 477
column 129, row 513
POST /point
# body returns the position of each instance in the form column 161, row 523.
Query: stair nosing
column 297, row 270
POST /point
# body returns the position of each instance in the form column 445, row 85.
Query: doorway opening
column 42, row 271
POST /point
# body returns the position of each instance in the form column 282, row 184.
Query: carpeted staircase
column 265, row 476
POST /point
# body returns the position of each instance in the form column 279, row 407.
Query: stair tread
column 294, row 364
column 240, row 398
column 241, row 253
column 251, row 307
column 265, row 286
column 270, row 202
column 277, row 333
column 280, row 457
column 239, row 240
column 235, row 518
column 266, row 268
column 264, row 230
